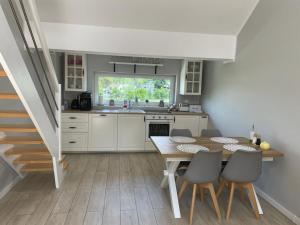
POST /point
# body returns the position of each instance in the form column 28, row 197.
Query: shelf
column 137, row 64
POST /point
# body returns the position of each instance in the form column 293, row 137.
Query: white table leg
column 257, row 202
column 169, row 178
column 174, row 196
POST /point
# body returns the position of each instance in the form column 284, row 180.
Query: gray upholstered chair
column 242, row 169
column 181, row 132
column 203, row 170
column 211, row 133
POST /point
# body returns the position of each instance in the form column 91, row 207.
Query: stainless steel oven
column 158, row 125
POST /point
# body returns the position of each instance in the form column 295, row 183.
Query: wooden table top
column 168, row 149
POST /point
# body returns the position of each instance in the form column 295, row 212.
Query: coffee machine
column 85, row 101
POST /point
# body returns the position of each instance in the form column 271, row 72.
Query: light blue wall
column 262, row 87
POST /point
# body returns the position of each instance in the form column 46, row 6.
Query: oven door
column 158, row 128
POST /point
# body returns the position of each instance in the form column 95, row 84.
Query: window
column 136, row 88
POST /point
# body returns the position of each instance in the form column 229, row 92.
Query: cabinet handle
column 72, row 142
column 72, row 117
column 204, row 116
column 174, row 119
column 103, row 115
column 144, row 119
column 72, row 127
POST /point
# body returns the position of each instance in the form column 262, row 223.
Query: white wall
column 262, row 87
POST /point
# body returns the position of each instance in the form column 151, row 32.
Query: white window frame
column 141, row 104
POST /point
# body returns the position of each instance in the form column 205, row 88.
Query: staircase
column 20, row 143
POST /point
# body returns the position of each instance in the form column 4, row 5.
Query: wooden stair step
column 23, row 128
column 2, row 73
column 33, row 159
column 21, row 141
column 10, row 96
column 27, row 151
column 43, row 167
column 13, row 114
column 65, row 165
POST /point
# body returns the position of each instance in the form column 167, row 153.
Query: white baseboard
column 9, row 187
column 278, row 206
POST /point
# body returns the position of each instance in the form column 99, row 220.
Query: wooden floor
column 114, row 189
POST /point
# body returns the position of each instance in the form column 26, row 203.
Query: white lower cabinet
column 116, row 132
column 131, row 132
column 103, row 132
column 74, row 129
column 203, row 123
column 194, row 123
column 74, row 142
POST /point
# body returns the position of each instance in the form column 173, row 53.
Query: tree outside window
column 138, row 89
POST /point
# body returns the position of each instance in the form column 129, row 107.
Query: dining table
column 172, row 157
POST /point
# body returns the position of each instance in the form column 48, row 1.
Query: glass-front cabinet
column 191, row 77
column 75, row 72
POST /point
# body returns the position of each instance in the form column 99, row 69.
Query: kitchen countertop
column 131, row 111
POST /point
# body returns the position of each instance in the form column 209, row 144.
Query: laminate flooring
column 115, row 189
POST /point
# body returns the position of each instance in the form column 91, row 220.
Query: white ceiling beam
column 135, row 42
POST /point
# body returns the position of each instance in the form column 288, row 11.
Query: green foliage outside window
column 133, row 88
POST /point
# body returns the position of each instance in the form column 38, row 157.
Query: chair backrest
column 243, row 166
column 204, row 167
column 211, row 133
column 181, row 132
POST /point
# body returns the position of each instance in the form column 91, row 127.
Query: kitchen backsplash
column 100, row 63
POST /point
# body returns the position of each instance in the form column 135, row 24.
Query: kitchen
column 128, row 124
column 149, row 113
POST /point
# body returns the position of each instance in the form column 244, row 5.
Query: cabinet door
column 131, row 133
column 102, row 132
column 191, row 78
column 187, row 122
column 74, row 142
column 75, row 72
column 203, row 123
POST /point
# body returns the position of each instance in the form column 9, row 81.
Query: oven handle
column 160, row 121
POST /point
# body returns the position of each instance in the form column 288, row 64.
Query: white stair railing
column 42, row 96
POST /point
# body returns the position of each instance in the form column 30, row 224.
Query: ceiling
column 191, row 16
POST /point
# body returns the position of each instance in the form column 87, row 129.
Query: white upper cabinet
column 103, row 132
column 191, row 78
column 75, row 72
column 131, row 132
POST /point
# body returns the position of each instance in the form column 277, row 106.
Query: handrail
column 38, row 54
column 40, row 33
column 52, row 112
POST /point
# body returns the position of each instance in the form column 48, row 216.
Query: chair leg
column 252, row 199
column 214, row 199
column 193, row 203
column 201, row 193
column 182, row 189
column 232, row 187
column 221, row 187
